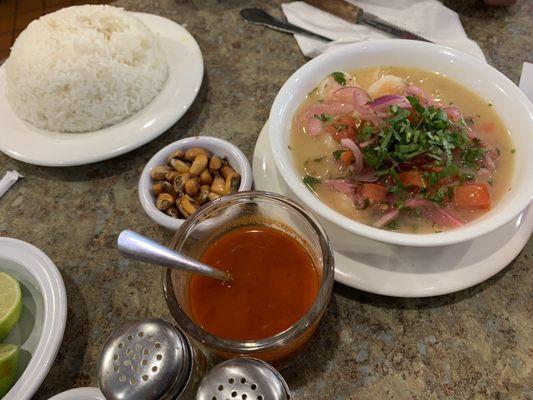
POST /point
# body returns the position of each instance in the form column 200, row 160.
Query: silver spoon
column 139, row 247
column 260, row 17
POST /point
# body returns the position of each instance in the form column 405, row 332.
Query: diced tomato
column 444, row 181
column 487, row 127
column 347, row 158
column 342, row 127
column 472, row 196
column 374, row 192
column 412, row 179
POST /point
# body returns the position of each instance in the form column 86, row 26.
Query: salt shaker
column 243, row 378
column 149, row 360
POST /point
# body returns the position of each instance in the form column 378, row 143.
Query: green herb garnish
column 337, row 154
column 324, row 117
column 365, row 133
column 339, row 78
column 393, row 225
column 311, row 180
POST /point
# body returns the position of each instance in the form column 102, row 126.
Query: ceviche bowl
column 512, row 106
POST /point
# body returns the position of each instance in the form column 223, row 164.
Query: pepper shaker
column 149, row 360
column 243, row 378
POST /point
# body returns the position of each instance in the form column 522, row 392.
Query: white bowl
column 86, row 393
column 511, row 104
column 222, row 148
column 44, row 311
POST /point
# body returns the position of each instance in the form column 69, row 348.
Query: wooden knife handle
column 339, row 8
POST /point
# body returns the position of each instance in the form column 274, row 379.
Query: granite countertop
column 475, row 344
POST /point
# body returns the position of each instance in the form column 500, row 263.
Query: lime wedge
column 9, row 357
column 10, row 304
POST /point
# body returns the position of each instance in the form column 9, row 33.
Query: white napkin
column 9, row 179
column 526, row 80
column 427, row 18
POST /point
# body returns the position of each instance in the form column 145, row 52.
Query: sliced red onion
column 350, row 144
column 439, row 216
column 387, row 218
column 483, row 172
column 367, row 114
column 359, row 201
column 365, row 177
column 368, row 142
column 416, row 202
column 313, row 126
column 446, row 217
column 350, row 94
column 310, row 118
column 384, row 102
column 453, row 113
column 472, row 134
column 424, row 98
column 340, row 185
column 488, row 162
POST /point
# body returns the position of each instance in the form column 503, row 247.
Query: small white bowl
column 222, row 148
column 44, row 311
column 85, row 393
column 509, row 102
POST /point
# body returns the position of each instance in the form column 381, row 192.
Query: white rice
column 83, row 68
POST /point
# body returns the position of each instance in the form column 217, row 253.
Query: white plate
column 44, row 312
column 87, row 393
column 403, row 271
column 27, row 143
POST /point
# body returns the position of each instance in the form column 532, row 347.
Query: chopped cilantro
column 324, row 117
column 339, row 78
column 513, row 151
column 449, row 170
column 337, row 154
column 490, row 182
column 393, row 225
column 444, row 192
column 311, row 180
column 467, row 177
column 490, row 104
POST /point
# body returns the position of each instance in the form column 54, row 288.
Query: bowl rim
column 247, row 347
column 145, row 180
column 85, row 393
column 50, row 283
column 453, row 236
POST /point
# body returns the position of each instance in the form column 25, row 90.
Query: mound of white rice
column 83, row 68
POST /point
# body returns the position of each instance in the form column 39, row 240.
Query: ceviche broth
column 401, row 149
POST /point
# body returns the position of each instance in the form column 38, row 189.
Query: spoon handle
column 259, row 17
column 139, row 247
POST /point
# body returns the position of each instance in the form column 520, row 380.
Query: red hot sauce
column 275, row 283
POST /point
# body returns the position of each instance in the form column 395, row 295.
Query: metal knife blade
column 354, row 14
column 384, row 26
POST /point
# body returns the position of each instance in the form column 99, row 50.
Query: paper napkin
column 427, row 18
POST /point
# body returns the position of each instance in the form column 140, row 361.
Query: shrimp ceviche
column 401, row 149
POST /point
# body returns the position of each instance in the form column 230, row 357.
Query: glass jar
column 236, row 211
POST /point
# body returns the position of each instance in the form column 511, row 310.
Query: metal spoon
column 139, row 247
column 260, row 17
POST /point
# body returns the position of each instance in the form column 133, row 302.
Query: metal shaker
column 149, row 360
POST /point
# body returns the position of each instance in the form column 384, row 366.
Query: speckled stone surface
column 475, row 344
